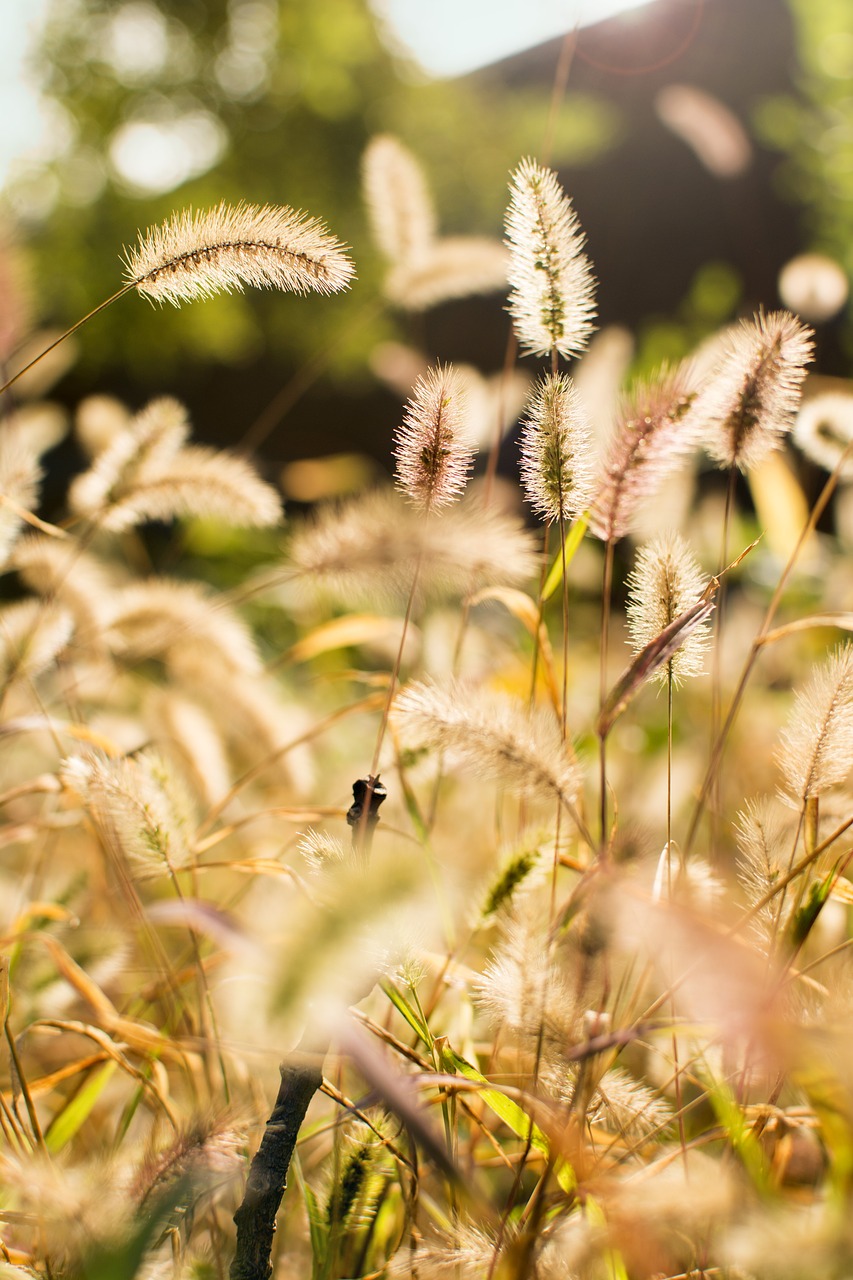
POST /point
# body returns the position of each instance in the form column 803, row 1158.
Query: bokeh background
column 705, row 144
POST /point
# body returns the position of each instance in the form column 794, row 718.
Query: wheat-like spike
column 149, row 441
column 66, row 573
column 824, row 430
column 656, row 431
column 98, row 421
column 816, row 747
column 627, row 1107
column 452, row 267
column 32, row 634
column 148, row 472
column 522, row 989
column 469, row 1254
column 763, row 842
column 20, row 477
column 197, row 254
column 368, row 548
column 552, row 288
column 196, row 482
column 165, row 618
column 752, row 396
column 664, row 583
column 396, row 195
column 139, row 806
column 185, row 729
column 431, row 447
column 492, row 736
column 202, row 1149
column 556, row 451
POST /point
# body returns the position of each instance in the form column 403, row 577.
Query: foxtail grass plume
column 149, row 473
column 523, row 988
column 752, row 396
column 665, row 582
column 432, row 449
column 552, row 288
column 824, row 430
column 396, row 196
column 816, row 746
column 20, row 476
column 454, row 267
column 556, row 451
column 424, row 268
column 140, row 808
column 492, row 736
column 197, row 254
column 367, row 548
column 656, row 430
column 763, row 851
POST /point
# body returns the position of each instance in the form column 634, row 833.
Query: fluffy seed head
column 452, row 267
column 431, row 447
column 552, row 289
column 149, row 473
column 665, row 582
column 397, row 199
column 751, row 398
column 816, row 746
column 494, row 737
column 763, row 843
column 656, row 430
column 824, row 429
column 20, row 474
column 556, row 447
column 197, row 254
column 368, row 548
column 140, row 808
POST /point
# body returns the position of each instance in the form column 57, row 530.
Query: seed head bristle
column 452, row 267
column 556, row 451
column 656, row 430
column 816, row 747
column 492, row 736
column 552, row 288
column 397, row 198
column 367, row 548
column 197, row 254
column 432, row 449
column 752, row 396
column 665, row 582
column 824, row 430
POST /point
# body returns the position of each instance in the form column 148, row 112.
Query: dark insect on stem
column 363, row 814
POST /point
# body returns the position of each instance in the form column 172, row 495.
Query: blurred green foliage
column 266, row 101
column 815, row 125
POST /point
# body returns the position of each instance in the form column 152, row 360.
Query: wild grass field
column 502, row 820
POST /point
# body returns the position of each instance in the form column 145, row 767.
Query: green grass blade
column 573, row 540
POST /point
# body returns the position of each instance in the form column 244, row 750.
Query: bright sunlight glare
column 448, row 38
